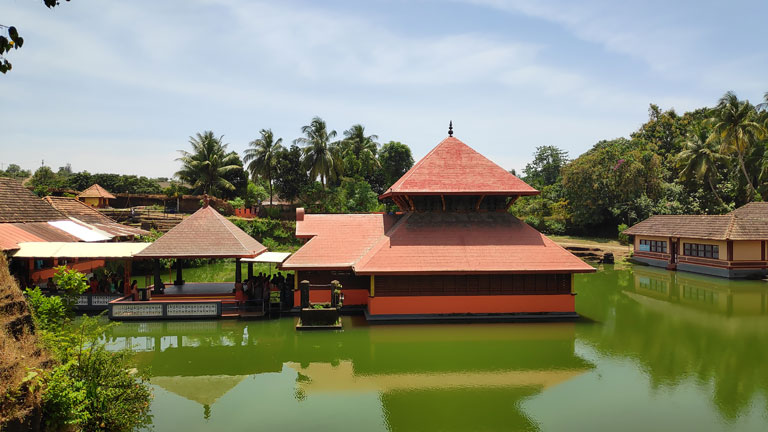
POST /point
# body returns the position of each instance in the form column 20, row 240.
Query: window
column 653, row 246
column 701, row 250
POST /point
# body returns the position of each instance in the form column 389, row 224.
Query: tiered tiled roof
column 749, row 222
column 337, row 241
column 19, row 204
column 95, row 191
column 492, row 242
column 83, row 213
column 454, row 168
column 205, row 234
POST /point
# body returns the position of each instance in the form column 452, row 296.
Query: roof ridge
column 417, row 164
column 730, row 226
column 223, row 221
column 378, row 241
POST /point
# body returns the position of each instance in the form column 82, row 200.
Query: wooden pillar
column 127, row 277
column 250, row 270
column 179, row 280
column 158, row 277
column 373, row 285
column 730, row 250
column 238, row 271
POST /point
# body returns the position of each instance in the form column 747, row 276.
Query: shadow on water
column 647, row 335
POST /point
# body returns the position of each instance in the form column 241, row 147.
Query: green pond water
column 656, row 351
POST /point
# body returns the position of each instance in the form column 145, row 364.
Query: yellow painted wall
column 94, row 202
column 746, row 250
column 722, row 246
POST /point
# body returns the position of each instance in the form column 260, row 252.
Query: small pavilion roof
column 205, row 234
column 95, row 191
column 454, row 168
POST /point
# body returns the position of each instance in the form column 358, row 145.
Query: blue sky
column 120, row 86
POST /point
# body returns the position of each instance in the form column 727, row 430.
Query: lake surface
column 656, row 350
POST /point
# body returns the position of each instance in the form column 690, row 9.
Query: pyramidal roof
column 454, row 168
column 205, row 234
column 95, row 191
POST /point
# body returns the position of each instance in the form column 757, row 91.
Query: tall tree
column 700, row 159
column 261, row 157
column 320, row 152
column 395, row 159
column 290, row 177
column 734, row 125
column 205, row 168
column 359, row 151
column 545, row 169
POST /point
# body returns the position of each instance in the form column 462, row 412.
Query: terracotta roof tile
column 493, row 242
column 95, row 191
column 85, row 214
column 11, row 236
column 455, row 168
column 337, row 240
column 19, row 204
column 204, row 234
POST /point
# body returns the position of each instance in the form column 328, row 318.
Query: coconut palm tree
column 361, row 148
column 763, row 106
column 261, row 157
column 320, row 153
column 734, row 125
column 205, row 167
column 700, row 158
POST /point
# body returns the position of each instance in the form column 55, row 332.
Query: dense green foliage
column 15, row 171
column 90, row 388
column 262, row 157
column 276, row 235
column 707, row 161
column 45, row 180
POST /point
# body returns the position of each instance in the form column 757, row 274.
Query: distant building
column 732, row 245
column 454, row 251
column 96, row 196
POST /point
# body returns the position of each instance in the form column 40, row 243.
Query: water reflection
column 685, row 330
column 657, row 350
column 420, row 375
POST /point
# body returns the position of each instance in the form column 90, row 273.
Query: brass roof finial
column 450, row 128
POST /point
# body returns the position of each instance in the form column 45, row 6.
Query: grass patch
column 216, row 272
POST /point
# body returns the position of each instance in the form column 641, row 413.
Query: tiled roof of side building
column 337, row 241
column 455, row 168
column 95, row 191
column 81, row 212
column 694, row 226
column 749, row 222
column 204, row 234
column 492, row 242
column 19, row 204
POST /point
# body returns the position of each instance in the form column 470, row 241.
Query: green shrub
column 623, row 238
column 49, row 312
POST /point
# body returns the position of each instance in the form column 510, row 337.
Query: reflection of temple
column 461, row 379
column 426, row 377
column 701, row 292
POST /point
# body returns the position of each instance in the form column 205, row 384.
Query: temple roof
column 463, row 243
column 336, row 240
column 426, row 243
column 205, row 234
column 454, row 168
column 748, row 222
column 95, row 191
column 19, row 204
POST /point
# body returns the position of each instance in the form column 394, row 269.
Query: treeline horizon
column 706, row 161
